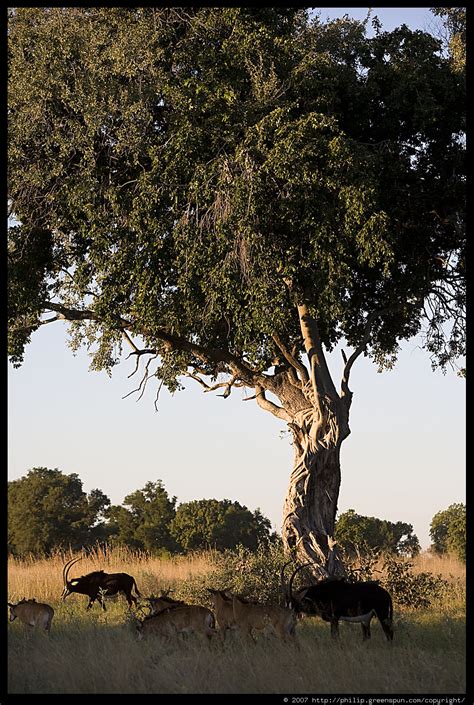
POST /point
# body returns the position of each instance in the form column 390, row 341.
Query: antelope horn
column 284, row 588
column 290, row 585
column 67, row 566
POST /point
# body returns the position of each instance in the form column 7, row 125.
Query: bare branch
column 233, row 382
column 136, row 349
column 157, row 395
column 198, row 379
column 345, row 391
column 69, row 314
column 143, row 383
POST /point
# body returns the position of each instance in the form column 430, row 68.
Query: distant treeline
column 48, row 509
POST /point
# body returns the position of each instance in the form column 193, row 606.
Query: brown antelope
column 163, row 602
column 223, row 609
column 253, row 615
column 184, row 619
column 35, row 614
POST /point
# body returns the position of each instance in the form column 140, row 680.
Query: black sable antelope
column 333, row 599
column 98, row 585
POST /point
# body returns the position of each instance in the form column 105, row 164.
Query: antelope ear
column 10, row 605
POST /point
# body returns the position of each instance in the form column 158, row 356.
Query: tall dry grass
column 449, row 567
column 92, row 652
column 32, row 577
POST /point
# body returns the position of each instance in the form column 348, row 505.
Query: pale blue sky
column 404, row 460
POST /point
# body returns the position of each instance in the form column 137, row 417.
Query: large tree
column 144, row 521
column 220, row 524
column 448, row 531
column 48, row 509
column 358, row 534
column 231, row 192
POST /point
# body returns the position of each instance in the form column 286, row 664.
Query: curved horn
column 67, row 566
column 284, row 588
column 290, row 584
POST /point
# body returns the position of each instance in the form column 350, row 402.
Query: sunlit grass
column 98, row 652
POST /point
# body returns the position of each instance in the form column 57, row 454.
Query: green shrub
column 409, row 589
column 254, row 574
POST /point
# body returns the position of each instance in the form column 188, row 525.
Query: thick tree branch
column 171, row 342
column 296, row 364
column 267, row 405
column 321, row 379
column 17, row 329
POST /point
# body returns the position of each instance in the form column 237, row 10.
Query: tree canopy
column 48, row 509
column 144, row 521
column 448, row 531
column 454, row 23
column 179, row 174
column 220, row 524
column 357, row 533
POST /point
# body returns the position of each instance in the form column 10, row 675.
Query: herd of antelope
column 332, row 599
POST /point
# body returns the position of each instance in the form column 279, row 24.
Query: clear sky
column 404, row 460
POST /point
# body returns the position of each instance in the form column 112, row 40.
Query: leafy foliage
column 448, row 531
column 454, row 21
column 253, row 574
column 220, row 524
column 416, row 590
column 48, row 510
column 357, row 533
column 413, row 590
column 172, row 169
column 144, row 521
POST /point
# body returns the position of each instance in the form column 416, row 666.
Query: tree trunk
column 311, row 502
column 319, row 426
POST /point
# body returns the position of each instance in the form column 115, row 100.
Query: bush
column 254, row 574
column 409, row 589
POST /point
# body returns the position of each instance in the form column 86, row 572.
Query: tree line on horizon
column 49, row 510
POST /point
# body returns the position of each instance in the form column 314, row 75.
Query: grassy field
column 97, row 652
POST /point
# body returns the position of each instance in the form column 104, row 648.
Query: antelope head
column 68, row 584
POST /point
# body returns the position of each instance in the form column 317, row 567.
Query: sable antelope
column 254, row 615
column 98, row 585
column 35, row 614
column 181, row 619
column 333, row 599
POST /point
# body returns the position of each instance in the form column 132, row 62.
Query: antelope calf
column 163, row 602
column 35, row 614
column 223, row 609
column 181, row 619
column 252, row 615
